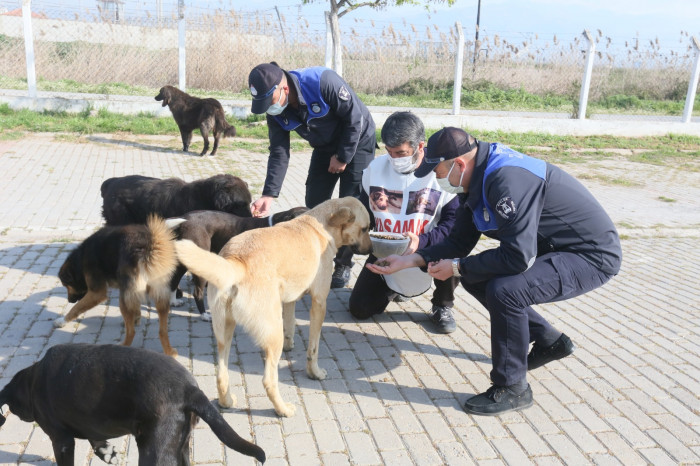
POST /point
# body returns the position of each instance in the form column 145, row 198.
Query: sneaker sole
column 569, row 353
column 479, row 413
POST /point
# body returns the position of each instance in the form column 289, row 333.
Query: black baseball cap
column 446, row 144
column 263, row 80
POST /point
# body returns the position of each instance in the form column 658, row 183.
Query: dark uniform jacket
column 532, row 213
column 330, row 117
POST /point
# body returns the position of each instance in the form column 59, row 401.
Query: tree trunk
column 335, row 35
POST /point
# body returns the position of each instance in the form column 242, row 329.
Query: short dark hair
column 402, row 127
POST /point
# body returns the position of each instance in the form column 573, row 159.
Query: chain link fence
column 119, row 47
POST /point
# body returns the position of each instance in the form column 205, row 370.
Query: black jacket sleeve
column 448, row 214
column 516, row 232
column 461, row 240
column 278, row 161
column 348, row 108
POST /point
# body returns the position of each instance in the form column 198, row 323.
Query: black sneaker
column 399, row 298
column 540, row 356
column 498, row 400
column 443, row 320
column 341, row 276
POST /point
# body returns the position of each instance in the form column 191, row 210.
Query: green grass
column 416, row 93
column 678, row 150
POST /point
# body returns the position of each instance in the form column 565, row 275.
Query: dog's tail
column 198, row 403
column 218, row 271
column 3, row 401
column 161, row 260
column 220, row 117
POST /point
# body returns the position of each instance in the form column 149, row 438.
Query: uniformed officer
column 323, row 109
column 555, row 242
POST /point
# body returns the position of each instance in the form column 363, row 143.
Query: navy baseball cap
column 446, row 144
column 263, row 80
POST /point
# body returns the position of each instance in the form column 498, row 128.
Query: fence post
column 693, row 85
column 586, row 84
column 181, row 44
column 329, row 40
column 459, row 63
column 29, row 47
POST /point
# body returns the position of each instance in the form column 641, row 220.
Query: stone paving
column 393, row 395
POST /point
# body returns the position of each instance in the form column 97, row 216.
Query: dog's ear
column 64, row 273
column 165, row 92
column 17, row 395
column 341, row 217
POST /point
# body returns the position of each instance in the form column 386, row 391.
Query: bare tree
column 339, row 8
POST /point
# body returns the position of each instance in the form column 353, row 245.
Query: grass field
column 676, row 150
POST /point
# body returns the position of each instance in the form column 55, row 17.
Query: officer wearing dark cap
column 323, row 109
column 555, row 242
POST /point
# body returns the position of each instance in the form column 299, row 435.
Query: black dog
column 98, row 392
column 137, row 259
column 211, row 230
column 131, row 199
column 192, row 113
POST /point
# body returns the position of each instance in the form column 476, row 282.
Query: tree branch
column 351, row 6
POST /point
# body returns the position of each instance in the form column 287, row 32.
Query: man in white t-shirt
column 399, row 202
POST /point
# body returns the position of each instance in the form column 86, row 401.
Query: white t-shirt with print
column 402, row 203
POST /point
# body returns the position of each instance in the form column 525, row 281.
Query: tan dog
column 260, row 274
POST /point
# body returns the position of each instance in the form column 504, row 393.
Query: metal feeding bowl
column 385, row 244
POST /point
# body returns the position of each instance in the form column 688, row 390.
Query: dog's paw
column 177, row 302
column 227, row 401
column 108, row 454
column 316, row 372
column 286, row 410
column 175, row 299
column 59, row 322
column 206, row 317
column 288, row 344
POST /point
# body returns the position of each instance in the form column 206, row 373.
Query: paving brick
column 395, row 389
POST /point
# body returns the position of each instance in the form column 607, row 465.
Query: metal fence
column 120, row 48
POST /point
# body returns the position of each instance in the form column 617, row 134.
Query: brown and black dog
column 99, row 392
column 192, row 113
column 211, row 230
column 131, row 199
column 139, row 260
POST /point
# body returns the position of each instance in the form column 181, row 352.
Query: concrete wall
column 53, row 30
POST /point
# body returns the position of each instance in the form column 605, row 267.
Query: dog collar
column 269, row 220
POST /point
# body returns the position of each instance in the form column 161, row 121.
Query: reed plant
column 392, row 65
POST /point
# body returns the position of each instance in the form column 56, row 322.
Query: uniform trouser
column 320, row 183
column 371, row 295
column 554, row 277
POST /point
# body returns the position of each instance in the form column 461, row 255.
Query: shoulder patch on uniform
column 506, row 208
column 344, row 94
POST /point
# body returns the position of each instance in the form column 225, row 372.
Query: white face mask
column 446, row 186
column 405, row 165
column 276, row 109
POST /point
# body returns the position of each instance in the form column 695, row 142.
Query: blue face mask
column 276, row 109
